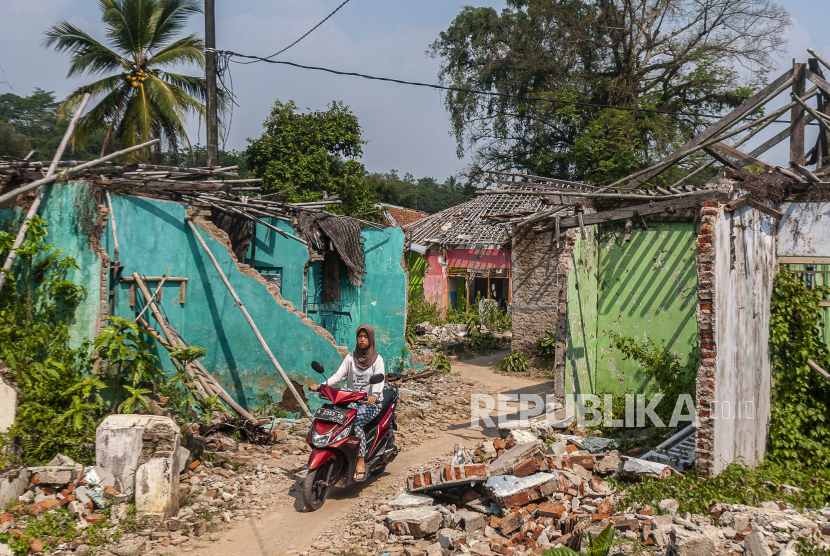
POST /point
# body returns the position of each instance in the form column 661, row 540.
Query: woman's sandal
column 362, row 476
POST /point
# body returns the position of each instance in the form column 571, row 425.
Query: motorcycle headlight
column 343, row 434
column 320, row 440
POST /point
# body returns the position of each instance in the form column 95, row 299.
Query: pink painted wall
column 435, row 281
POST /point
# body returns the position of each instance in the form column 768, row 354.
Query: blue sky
column 407, row 128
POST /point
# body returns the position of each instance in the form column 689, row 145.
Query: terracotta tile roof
column 400, row 216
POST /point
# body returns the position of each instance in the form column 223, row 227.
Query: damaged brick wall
column 540, row 275
column 736, row 265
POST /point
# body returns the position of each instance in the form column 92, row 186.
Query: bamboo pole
column 173, row 337
column 75, row 169
column 199, row 388
column 155, row 294
column 21, row 234
column 250, row 321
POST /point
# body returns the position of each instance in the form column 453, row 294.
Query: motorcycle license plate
column 333, row 415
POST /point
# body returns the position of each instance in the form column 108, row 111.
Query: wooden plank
column 132, row 294
column 797, row 123
column 769, row 211
column 628, row 229
column 824, row 303
column 737, row 203
column 155, row 279
column 722, row 159
column 636, row 211
column 749, row 106
column 819, row 81
column 183, row 291
column 556, row 231
column 744, row 159
column 803, row 260
column 813, row 365
column 581, row 225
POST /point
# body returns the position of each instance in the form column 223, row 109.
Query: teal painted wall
column 70, row 215
column 272, row 250
column 153, row 235
column 380, row 303
column 644, row 288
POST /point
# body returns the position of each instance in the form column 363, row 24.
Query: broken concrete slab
column 470, row 521
column 447, row 477
column 598, row 444
column 556, row 449
column 633, row 469
column 508, row 460
column 683, row 542
column 53, row 475
column 411, row 500
column 418, row 522
column 157, row 487
column 508, row 491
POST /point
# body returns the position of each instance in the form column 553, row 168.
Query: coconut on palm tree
column 141, row 99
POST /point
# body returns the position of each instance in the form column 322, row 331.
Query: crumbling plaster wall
column 804, row 231
column 736, row 266
column 153, row 235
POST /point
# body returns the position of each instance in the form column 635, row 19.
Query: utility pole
column 212, row 120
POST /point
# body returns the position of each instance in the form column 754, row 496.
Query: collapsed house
column 307, row 278
column 688, row 266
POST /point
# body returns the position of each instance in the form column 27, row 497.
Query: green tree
column 32, row 122
column 667, row 55
column 315, row 152
column 143, row 100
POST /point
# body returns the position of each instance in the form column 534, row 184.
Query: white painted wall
column 805, row 230
column 743, row 289
column 8, row 405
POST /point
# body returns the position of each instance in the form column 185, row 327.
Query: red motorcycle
column 334, row 444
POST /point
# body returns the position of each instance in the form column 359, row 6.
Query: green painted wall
column 417, row 271
column 648, row 289
column 644, row 288
column 580, row 374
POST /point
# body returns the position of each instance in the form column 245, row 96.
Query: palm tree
column 143, row 100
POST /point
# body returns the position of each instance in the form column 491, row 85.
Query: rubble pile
column 520, row 496
column 449, row 337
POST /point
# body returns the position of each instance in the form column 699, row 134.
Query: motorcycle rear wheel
column 315, row 488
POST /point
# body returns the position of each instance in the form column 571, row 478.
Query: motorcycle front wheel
column 315, row 487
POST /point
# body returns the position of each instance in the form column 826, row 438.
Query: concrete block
column 8, row 404
column 470, row 521
column 508, row 491
column 446, row 537
column 756, row 545
column 633, row 468
column 157, row 487
column 558, row 449
column 688, row 543
column 418, row 522
column 53, row 475
column 119, row 442
column 12, row 486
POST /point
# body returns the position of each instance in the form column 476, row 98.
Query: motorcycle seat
column 388, row 398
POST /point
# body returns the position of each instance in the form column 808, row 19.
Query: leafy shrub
column 666, row 372
column 62, row 387
column 419, row 310
column 735, row 485
column 547, row 345
column 799, row 430
column 599, row 546
column 483, row 343
column 440, row 363
column 515, row 362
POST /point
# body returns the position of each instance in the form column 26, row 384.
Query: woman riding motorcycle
column 357, row 368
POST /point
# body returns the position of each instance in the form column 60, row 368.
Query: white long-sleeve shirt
column 357, row 379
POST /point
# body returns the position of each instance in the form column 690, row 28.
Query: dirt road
column 291, row 530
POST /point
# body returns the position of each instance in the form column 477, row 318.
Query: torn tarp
column 325, row 231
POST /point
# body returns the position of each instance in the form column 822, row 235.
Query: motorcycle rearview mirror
column 317, row 366
column 376, row 379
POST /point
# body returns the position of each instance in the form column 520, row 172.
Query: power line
column 268, row 58
column 255, row 59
